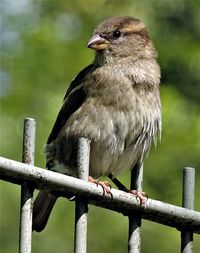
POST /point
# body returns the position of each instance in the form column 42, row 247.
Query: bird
column 114, row 102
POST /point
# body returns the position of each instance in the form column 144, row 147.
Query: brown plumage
column 114, row 102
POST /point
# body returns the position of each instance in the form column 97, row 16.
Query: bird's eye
column 116, row 34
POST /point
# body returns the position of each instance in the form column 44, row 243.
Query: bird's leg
column 104, row 184
column 142, row 196
column 119, row 185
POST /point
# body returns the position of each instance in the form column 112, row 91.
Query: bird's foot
column 106, row 186
column 142, row 196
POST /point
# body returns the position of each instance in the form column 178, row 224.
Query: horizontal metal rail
column 157, row 211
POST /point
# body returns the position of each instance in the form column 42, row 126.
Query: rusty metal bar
column 25, row 234
column 188, row 202
column 134, row 238
column 157, row 211
column 81, row 207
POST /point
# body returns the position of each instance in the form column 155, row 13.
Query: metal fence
column 31, row 177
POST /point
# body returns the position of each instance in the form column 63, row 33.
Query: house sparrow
column 114, row 102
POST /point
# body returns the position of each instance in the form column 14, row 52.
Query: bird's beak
column 98, row 43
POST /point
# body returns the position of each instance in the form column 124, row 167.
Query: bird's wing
column 73, row 99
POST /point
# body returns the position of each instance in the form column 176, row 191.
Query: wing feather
column 73, row 99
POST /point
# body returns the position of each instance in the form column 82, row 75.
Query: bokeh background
column 42, row 49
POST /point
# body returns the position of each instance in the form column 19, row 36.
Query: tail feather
column 41, row 209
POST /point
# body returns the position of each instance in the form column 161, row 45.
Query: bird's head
column 121, row 37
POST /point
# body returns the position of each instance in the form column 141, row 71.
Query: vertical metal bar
column 81, row 209
column 188, row 202
column 26, row 190
column 134, row 240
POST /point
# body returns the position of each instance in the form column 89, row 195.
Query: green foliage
column 43, row 48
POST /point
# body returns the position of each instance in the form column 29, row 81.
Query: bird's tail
column 42, row 207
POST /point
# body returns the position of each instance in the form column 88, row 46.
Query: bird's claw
column 106, row 186
column 142, row 196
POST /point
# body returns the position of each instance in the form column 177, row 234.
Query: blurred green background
column 42, row 49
